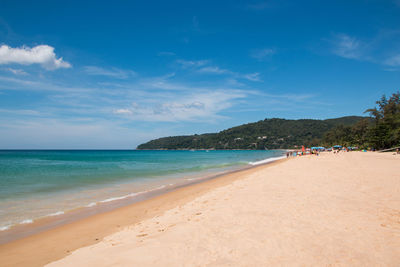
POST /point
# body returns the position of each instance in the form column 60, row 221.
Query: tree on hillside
column 359, row 133
column 340, row 134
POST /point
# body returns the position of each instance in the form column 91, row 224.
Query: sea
column 36, row 184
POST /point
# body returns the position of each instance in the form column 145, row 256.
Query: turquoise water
column 41, row 183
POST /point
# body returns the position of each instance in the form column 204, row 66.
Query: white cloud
column 38, row 85
column 291, row 97
column 262, row 54
column 113, row 72
column 20, row 112
column 41, row 54
column 369, row 50
column 158, row 98
column 347, row 47
column 191, row 107
column 393, row 61
column 20, row 81
column 191, row 63
column 255, row 77
column 123, row 111
column 16, row 71
column 214, row 69
column 204, row 67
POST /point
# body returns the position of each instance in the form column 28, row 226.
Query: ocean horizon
column 35, row 184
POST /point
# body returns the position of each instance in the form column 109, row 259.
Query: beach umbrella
column 337, row 146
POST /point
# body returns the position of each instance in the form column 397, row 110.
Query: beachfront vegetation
column 346, row 135
column 381, row 131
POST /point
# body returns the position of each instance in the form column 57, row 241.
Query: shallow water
column 40, row 183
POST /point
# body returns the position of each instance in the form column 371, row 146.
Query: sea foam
column 118, row 198
column 3, row 228
column 266, row 160
column 56, row 213
column 91, row 204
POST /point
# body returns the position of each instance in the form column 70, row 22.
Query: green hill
column 265, row 134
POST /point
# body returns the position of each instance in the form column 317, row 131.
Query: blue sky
column 113, row 74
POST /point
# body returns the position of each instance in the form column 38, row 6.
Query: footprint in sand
column 141, row 235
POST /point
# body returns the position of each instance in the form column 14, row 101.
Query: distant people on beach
column 304, row 152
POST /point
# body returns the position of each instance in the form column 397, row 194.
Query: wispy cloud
column 123, row 111
column 9, row 83
column 155, row 98
column 21, row 112
column 20, row 81
column 113, row 72
column 262, row 54
column 347, row 47
column 351, row 47
column 393, row 61
column 214, row 69
column 191, row 63
column 205, row 67
column 198, row 106
column 16, row 71
column 290, row 97
column 255, row 77
column 42, row 54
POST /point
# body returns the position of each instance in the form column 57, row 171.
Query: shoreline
column 32, row 226
column 34, row 247
column 22, row 212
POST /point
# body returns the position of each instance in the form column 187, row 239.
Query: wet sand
column 332, row 209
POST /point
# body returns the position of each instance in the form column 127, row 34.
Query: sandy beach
column 333, row 209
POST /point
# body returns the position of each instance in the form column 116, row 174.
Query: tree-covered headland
column 378, row 131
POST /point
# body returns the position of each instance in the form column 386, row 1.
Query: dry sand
column 335, row 210
column 329, row 210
